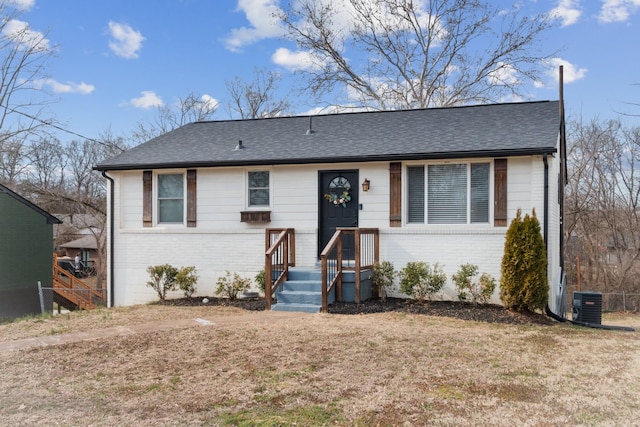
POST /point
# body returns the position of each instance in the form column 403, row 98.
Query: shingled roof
column 436, row 133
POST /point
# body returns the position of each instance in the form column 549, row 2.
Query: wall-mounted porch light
column 365, row 185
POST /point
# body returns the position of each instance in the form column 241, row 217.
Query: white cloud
column 148, row 99
column 294, row 61
column 69, row 87
column 22, row 4
column 617, row 10
column 126, row 42
column 20, row 33
column 570, row 72
column 264, row 23
column 568, row 11
column 209, row 102
column 503, row 74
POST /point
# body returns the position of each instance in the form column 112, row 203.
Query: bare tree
column 23, row 56
column 257, row 98
column 417, row 54
column 47, row 163
column 191, row 108
column 603, row 206
column 13, row 163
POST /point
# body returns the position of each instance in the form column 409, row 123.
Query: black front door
column 338, row 207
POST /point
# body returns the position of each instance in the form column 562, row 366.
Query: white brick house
column 444, row 185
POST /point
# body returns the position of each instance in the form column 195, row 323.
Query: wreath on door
column 337, row 200
column 335, row 197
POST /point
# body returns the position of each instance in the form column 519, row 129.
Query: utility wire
column 60, row 128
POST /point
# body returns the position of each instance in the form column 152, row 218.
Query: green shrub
column 163, row 279
column 186, row 280
column 383, row 274
column 419, row 280
column 479, row 291
column 261, row 280
column 231, row 287
column 524, row 283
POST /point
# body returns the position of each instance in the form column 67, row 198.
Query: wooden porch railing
column 280, row 254
column 75, row 290
column 365, row 255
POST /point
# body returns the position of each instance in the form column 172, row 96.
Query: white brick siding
column 221, row 243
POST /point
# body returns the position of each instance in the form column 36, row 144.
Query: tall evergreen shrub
column 524, row 285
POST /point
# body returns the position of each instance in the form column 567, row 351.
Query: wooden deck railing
column 75, row 290
column 365, row 255
column 280, row 254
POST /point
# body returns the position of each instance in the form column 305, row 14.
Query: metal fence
column 620, row 301
column 48, row 298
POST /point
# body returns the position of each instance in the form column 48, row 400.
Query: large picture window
column 448, row 194
column 258, row 188
column 170, row 198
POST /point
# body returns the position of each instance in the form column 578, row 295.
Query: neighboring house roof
column 79, row 220
column 472, row 131
column 50, row 218
column 84, row 242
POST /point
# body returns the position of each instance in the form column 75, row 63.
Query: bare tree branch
column 258, row 98
column 191, row 108
column 23, row 56
column 417, row 54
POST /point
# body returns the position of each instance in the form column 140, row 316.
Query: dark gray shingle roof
column 483, row 130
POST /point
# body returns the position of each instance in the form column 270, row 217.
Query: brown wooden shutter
column 395, row 194
column 500, row 193
column 147, row 199
column 191, row 198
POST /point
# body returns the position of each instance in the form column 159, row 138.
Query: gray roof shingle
column 471, row 131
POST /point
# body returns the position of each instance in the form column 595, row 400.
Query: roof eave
column 344, row 159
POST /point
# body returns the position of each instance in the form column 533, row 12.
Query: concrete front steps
column 303, row 290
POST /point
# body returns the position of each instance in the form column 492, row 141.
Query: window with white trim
column 258, row 188
column 448, row 193
column 170, row 198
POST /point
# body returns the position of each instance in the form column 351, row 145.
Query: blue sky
column 117, row 60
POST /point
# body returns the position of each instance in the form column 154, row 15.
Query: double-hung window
column 170, row 198
column 258, row 188
column 448, row 193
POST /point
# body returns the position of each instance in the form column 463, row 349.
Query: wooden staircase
column 72, row 293
column 314, row 288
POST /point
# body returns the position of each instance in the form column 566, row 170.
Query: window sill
column 255, row 216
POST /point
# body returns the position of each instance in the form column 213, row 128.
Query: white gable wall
column 221, row 243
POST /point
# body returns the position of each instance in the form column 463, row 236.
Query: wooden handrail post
column 267, row 281
column 339, row 269
column 285, row 257
column 325, row 277
column 376, row 246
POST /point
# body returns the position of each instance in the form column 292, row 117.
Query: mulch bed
column 482, row 313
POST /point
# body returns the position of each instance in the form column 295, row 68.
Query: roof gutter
column 110, row 250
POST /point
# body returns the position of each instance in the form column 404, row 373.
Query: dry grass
column 377, row 369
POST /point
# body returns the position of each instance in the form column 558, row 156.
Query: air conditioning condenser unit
column 587, row 307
